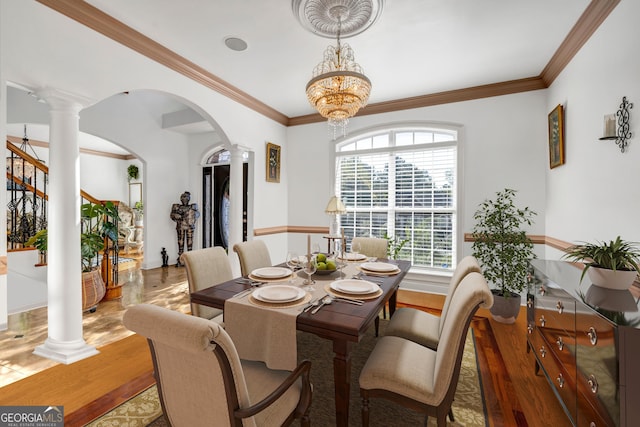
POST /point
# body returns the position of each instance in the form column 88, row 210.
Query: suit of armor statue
column 185, row 215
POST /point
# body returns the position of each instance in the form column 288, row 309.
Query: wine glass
column 356, row 247
column 293, row 260
column 310, row 266
column 340, row 257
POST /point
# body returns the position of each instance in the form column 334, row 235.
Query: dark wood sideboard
column 586, row 341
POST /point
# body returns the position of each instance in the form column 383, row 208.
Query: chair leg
column 451, row 418
column 384, row 311
column 377, row 324
column 365, row 409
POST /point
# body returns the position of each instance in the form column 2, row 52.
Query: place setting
column 378, row 269
column 354, row 289
column 271, row 274
column 279, row 296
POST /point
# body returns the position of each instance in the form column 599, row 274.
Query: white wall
column 503, row 144
column 595, row 195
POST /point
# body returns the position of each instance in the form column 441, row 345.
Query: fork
column 253, row 285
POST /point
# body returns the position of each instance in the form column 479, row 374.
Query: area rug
column 468, row 406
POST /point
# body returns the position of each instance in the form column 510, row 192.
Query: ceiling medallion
column 319, row 17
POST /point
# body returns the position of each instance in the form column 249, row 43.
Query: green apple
column 331, row 265
column 322, row 266
column 321, row 258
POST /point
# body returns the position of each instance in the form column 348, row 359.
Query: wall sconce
column 618, row 131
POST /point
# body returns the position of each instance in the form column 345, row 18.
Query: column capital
column 60, row 100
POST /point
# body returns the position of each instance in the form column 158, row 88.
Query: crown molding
column 92, row 17
column 587, row 24
column 97, row 20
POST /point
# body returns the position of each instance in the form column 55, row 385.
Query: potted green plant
column 39, row 241
column 139, row 211
column 132, row 172
column 504, row 251
column 99, row 222
column 612, row 264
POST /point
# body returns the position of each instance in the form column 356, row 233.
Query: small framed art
column 273, row 162
column 556, row 137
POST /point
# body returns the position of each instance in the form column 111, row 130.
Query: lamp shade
column 335, row 206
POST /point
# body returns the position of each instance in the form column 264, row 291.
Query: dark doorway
column 215, row 205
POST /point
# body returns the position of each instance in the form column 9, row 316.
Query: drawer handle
column 530, row 302
column 543, row 352
column 593, row 384
column 560, row 380
column 560, row 343
column 593, row 336
column 543, row 321
column 560, row 307
column 530, row 328
column 543, row 290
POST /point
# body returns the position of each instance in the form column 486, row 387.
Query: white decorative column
column 235, row 204
column 65, row 342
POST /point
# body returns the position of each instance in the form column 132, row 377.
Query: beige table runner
column 267, row 333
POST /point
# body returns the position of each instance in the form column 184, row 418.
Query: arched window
column 402, row 184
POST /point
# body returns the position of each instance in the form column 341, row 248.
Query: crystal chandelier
column 338, row 88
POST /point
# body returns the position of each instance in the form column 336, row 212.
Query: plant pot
column 93, row 290
column 113, row 292
column 505, row 309
column 612, row 279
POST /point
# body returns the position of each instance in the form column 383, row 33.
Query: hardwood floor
column 515, row 396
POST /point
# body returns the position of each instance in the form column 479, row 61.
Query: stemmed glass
column 356, row 248
column 293, row 262
column 341, row 262
column 309, row 267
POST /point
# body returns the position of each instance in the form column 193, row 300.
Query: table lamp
column 335, row 207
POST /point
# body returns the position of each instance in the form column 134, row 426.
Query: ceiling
column 416, row 48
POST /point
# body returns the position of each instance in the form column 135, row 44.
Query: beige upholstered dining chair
column 205, row 268
column 371, row 246
column 418, row 377
column 252, row 254
column 202, row 381
column 425, row 328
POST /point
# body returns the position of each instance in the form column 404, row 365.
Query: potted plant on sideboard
column 612, row 265
column 504, row 251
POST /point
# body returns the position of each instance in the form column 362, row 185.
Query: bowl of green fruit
column 325, row 266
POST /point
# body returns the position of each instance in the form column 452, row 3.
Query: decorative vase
column 611, row 279
column 505, row 309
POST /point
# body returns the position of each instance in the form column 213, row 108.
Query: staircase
column 27, row 203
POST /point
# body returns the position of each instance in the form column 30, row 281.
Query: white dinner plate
column 278, row 293
column 271, row 272
column 380, row 267
column 354, row 286
column 350, row 256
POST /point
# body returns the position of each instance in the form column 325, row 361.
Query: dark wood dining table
column 344, row 324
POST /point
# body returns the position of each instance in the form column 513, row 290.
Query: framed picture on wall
column 135, row 193
column 273, row 162
column 556, row 137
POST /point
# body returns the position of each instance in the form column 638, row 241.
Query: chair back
column 197, row 369
column 466, row 265
column 205, row 268
column 252, row 254
column 372, row 246
column 472, row 293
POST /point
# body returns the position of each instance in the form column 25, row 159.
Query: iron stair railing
column 27, row 205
